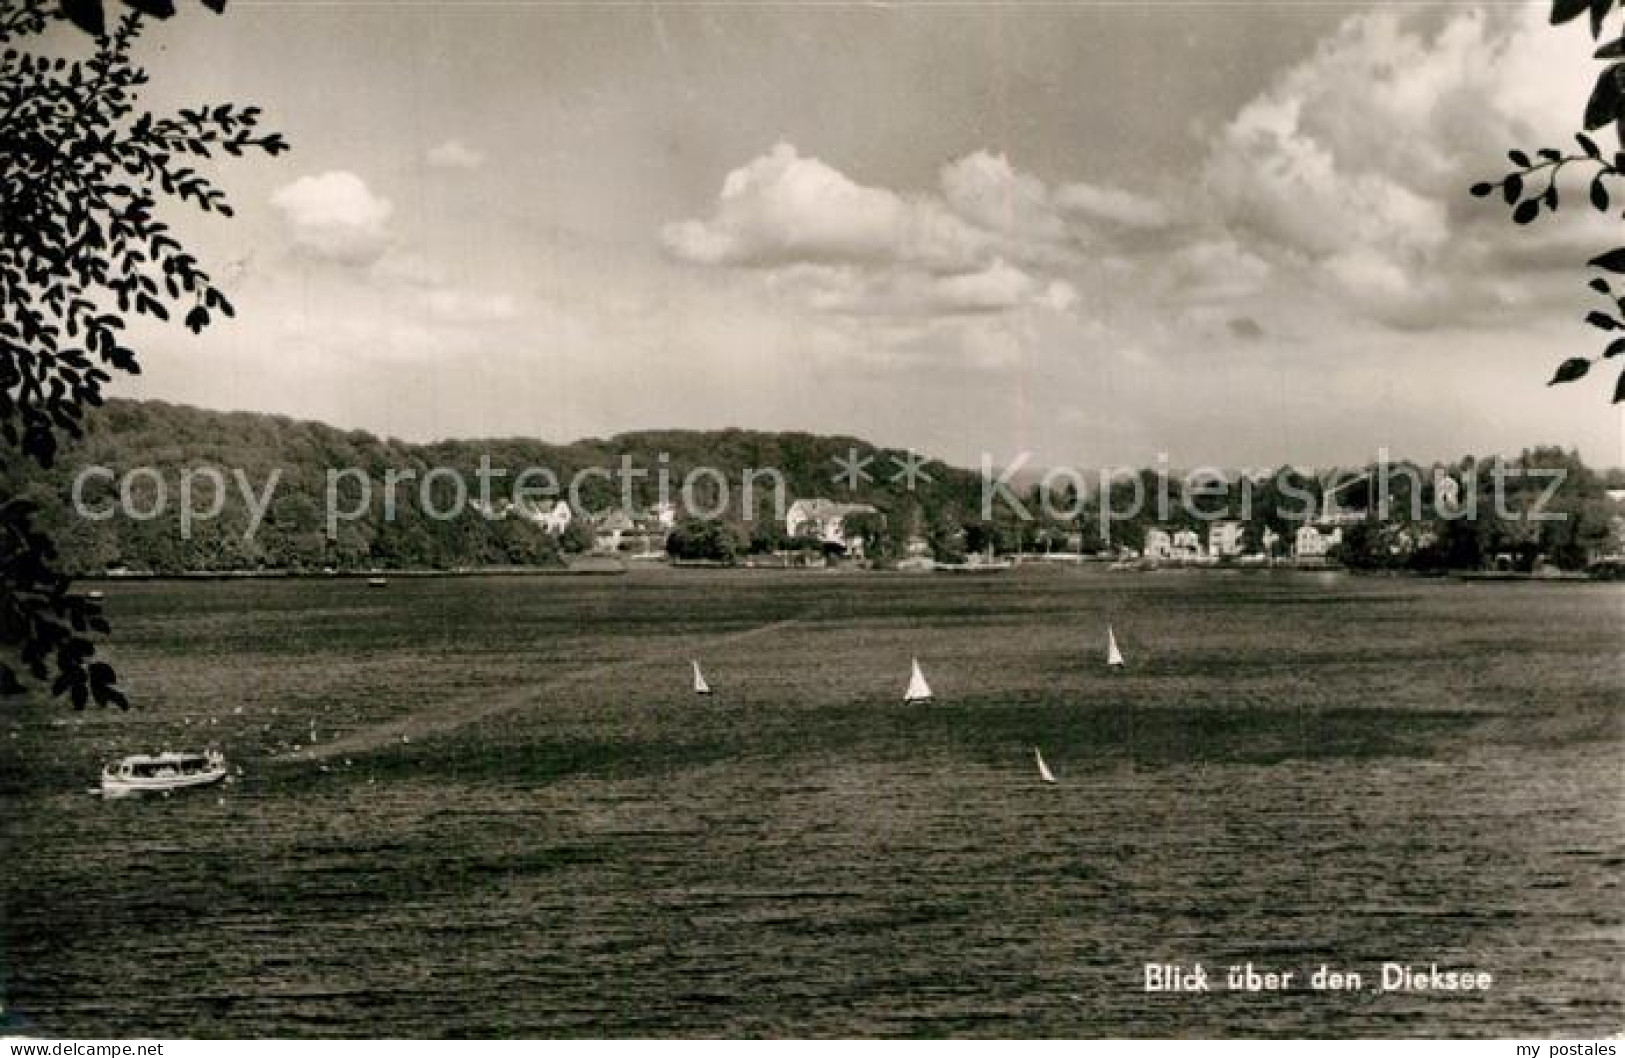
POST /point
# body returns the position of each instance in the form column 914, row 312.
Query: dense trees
column 251, row 451
column 705, row 540
column 275, row 474
column 1543, row 507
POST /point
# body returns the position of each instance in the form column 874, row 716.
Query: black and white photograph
column 704, row 519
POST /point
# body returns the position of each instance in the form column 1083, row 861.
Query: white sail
column 1043, row 769
column 918, row 689
column 700, row 686
column 1114, row 657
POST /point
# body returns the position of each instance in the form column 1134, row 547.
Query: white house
column 1312, row 543
column 825, row 520
column 554, row 519
column 1158, row 544
column 612, row 527
column 1224, row 539
column 1187, row 544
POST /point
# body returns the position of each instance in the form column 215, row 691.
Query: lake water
column 518, row 820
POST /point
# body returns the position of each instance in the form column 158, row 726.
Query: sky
column 1228, row 234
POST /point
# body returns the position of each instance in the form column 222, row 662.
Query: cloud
column 1334, row 199
column 335, row 217
column 454, row 154
column 782, row 209
column 985, row 190
column 1215, row 270
column 912, row 293
column 961, row 272
column 1113, row 205
column 1350, row 171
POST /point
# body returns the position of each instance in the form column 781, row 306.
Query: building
column 1158, row 544
column 610, row 529
column 555, row 519
column 1224, row 539
column 1187, row 545
column 1311, row 542
column 826, row 521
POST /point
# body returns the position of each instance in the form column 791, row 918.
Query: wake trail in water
column 450, row 715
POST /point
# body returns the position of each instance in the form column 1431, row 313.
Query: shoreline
column 617, row 568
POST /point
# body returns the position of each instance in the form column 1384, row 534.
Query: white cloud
column 994, row 289
column 1116, row 206
column 1218, row 270
column 985, row 190
column 454, row 154
column 960, row 272
column 1059, row 296
column 335, row 217
column 904, row 294
column 782, row 209
column 1335, row 199
column 1351, row 170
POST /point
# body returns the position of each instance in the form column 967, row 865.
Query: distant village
column 832, row 530
column 822, row 532
column 1287, row 517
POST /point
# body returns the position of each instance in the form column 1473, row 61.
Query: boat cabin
column 167, row 765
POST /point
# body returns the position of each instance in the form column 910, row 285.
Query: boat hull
column 119, row 786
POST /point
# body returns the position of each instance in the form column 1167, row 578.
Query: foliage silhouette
column 1532, row 187
column 84, row 169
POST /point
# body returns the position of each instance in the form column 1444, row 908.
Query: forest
column 277, row 473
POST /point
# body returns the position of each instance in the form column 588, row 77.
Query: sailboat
column 918, row 689
column 1043, row 769
column 700, row 686
column 1114, row 657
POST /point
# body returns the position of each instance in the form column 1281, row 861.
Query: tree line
column 943, row 514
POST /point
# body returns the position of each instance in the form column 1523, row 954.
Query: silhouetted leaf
column 1568, row 10
column 1520, row 159
column 155, row 8
column 1599, row 194
column 1602, row 321
column 1615, row 347
column 1614, row 49
column 1599, row 11
column 1482, row 190
column 1604, row 106
column 86, row 14
column 1619, row 388
column 1527, row 211
column 1588, row 145
column 1512, row 188
column 1600, row 285
column 1612, row 261
column 1571, row 369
